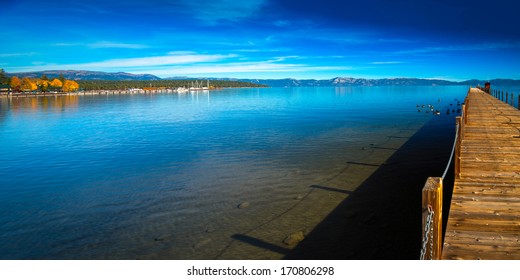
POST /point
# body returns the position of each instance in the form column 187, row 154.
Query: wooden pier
column 484, row 219
column 484, row 216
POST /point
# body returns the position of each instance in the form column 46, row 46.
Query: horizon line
column 286, row 78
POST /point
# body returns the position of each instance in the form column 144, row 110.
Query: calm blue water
column 160, row 176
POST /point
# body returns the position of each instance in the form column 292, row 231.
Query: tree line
column 61, row 84
column 42, row 84
column 128, row 84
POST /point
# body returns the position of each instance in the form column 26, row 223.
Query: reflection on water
column 55, row 103
column 162, row 176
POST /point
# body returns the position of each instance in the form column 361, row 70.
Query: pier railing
column 432, row 195
column 506, row 97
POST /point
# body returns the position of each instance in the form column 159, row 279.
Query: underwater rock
column 294, row 238
column 243, row 205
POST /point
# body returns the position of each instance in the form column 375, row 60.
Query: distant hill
column 346, row 81
column 342, row 81
column 338, row 81
column 88, row 75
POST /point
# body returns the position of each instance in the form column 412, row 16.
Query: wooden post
column 507, row 98
column 465, row 110
column 432, row 199
column 460, row 124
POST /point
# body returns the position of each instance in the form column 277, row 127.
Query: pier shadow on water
column 382, row 218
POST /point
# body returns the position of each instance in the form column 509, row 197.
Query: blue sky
column 448, row 39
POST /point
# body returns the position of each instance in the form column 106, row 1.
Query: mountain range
column 87, row 75
column 338, row 81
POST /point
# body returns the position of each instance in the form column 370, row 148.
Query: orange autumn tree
column 28, row 85
column 56, row 83
column 42, row 84
column 69, row 86
column 16, row 83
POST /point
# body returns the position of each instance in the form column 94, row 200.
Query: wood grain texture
column 432, row 201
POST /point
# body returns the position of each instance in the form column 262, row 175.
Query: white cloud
column 240, row 67
column 385, row 62
column 129, row 64
column 189, row 63
column 115, row 45
column 62, row 44
column 152, row 61
column 102, row 45
column 17, row 54
column 182, row 53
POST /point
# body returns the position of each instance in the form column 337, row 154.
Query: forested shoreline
column 129, row 84
column 61, row 84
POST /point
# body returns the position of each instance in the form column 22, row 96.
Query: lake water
column 161, row 176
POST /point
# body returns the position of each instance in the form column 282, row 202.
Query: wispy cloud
column 102, row 45
column 250, row 68
column 127, row 64
column 282, row 23
column 116, row 45
column 181, row 63
column 62, row 44
column 17, row 54
column 395, row 40
column 456, row 48
column 385, row 62
column 172, row 59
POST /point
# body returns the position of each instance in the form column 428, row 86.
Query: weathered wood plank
column 492, row 142
column 490, row 166
column 482, row 252
column 506, row 244
column 475, row 173
column 489, row 194
column 502, row 213
column 478, row 181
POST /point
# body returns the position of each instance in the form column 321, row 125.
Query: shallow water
column 160, row 176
